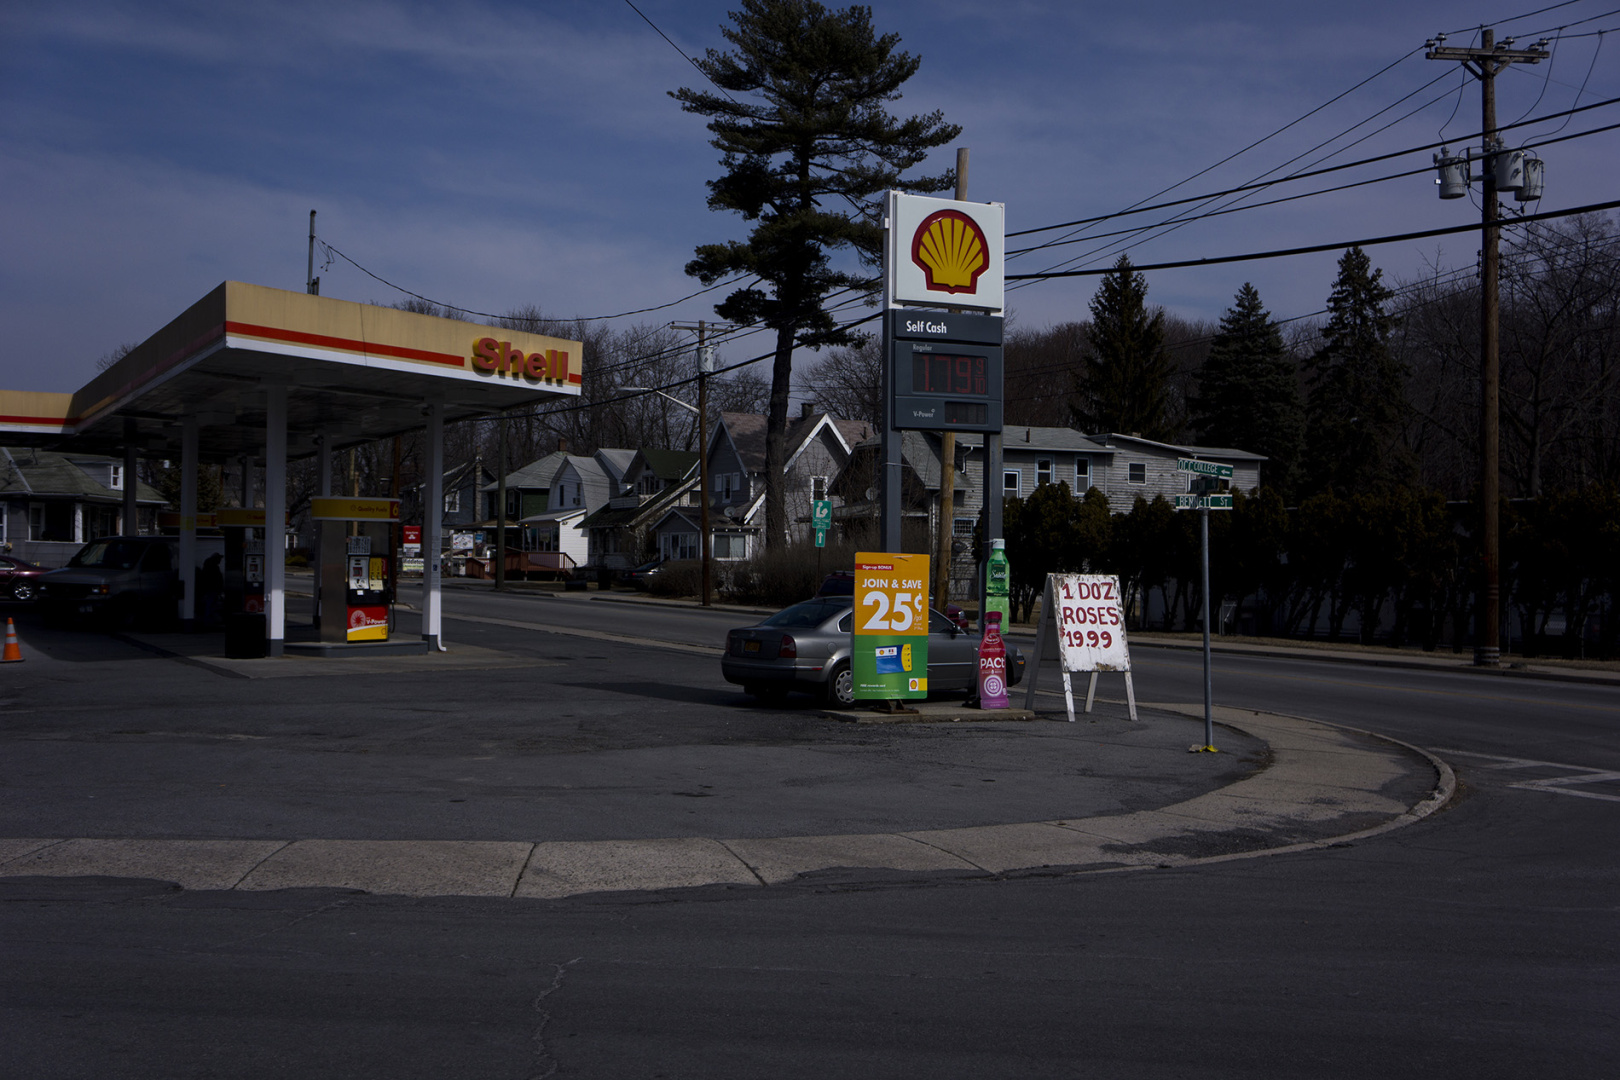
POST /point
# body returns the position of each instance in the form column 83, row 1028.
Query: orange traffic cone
column 13, row 654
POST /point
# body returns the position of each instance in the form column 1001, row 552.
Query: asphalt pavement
column 697, row 786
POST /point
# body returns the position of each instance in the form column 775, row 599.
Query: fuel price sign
column 889, row 649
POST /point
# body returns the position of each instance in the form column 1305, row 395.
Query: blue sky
column 492, row 155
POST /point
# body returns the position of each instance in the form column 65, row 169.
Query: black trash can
column 244, row 637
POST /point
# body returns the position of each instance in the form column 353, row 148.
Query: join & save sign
column 889, row 658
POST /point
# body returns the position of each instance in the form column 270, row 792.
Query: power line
column 330, row 250
column 678, row 49
column 1256, row 186
column 1283, row 252
column 1322, row 191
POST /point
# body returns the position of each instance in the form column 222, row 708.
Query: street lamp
column 703, row 468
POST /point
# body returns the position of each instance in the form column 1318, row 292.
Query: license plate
column 750, row 646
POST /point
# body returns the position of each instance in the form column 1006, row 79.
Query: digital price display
column 950, row 375
column 945, row 371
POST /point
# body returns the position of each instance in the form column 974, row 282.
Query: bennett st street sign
column 1202, row 502
column 1204, row 468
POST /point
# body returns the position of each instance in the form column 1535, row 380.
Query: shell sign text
column 945, row 252
column 500, row 358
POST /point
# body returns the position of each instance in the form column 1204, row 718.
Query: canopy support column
column 275, row 517
column 432, row 525
column 188, row 522
column 132, row 486
column 323, row 488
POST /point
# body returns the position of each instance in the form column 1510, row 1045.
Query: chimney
column 807, row 410
column 562, row 444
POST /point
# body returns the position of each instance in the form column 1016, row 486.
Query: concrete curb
column 1322, row 776
column 1282, row 652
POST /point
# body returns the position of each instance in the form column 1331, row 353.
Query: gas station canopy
column 352, row 372
column 267, row 374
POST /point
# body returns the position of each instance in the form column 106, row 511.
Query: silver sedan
column 807, row 647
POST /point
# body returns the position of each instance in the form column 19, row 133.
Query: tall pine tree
column 1357, row 388
column 1123, row 382
column 1248, row 391
column 807, row 142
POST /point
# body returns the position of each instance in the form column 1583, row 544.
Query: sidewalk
column 1322, row 785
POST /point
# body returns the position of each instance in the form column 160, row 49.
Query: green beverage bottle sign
column 997, row 584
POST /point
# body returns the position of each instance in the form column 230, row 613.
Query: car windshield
column 109, row 555
column 809, row 613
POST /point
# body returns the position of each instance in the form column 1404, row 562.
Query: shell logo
column 951, row 249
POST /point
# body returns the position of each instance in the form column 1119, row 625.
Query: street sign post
column 821, row 519
column 1203, row 497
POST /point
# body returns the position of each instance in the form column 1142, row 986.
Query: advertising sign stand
column 889, row 654
column 1085, row 614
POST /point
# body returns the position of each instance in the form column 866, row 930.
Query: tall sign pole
column 1484, row 63
column 942, row 331
column 947, row 459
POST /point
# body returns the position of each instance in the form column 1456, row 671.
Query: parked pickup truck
column 120, row 581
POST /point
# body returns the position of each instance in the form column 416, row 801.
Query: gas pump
column 244, row 533
column 369, row 585
column 359, row 567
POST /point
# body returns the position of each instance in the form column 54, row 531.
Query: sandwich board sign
column 1084, row 616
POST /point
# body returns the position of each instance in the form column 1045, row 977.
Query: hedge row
column 1402, row 560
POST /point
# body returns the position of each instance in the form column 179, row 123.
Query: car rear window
column 809, row 613
column 109, row 555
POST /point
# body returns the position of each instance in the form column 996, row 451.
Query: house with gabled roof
column 818, row 449
column 655, row 481
column 528, row 489
column 579, row 487
column 51, row 503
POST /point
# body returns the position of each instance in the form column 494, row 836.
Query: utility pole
column 705, row 366
column 312, row 284
column 1484, row 63
column 947, row 457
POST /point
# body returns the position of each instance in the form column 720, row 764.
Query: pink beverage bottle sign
column 992, row 665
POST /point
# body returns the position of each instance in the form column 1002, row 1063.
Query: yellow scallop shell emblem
column 951, row 249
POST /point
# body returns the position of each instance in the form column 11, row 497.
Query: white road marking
column 1556, row 785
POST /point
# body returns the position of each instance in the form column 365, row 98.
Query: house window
column 452, row 502
column 730, row 546
column 578, row 491
column 727, row 484
column 100, row 521
column 963, row 526
column 679, row 546
column 1138, row 473
column 1082, row 475
column 1010, row 482
column 116, row 480
column 1043, row 471
column 36, row 521
column 514, row 505
column 818, row 487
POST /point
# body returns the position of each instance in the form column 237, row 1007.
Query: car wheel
column 22, row 591
column 841, row 686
